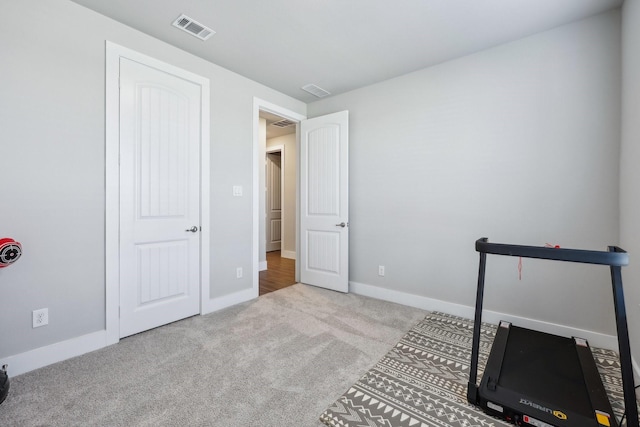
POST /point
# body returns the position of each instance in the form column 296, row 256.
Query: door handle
column 342, row 224
column 193, row 229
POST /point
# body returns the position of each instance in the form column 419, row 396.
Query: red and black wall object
column 10, row 251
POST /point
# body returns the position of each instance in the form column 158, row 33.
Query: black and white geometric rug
column 422, row 381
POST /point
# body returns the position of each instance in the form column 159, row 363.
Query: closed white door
column 274, row 201
column 160, row 123
column 324, row 201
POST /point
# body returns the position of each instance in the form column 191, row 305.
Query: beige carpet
column 279, row 360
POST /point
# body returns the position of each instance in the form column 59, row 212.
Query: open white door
column 160, row 131
column 324, row 201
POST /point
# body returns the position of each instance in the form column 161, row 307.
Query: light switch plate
column 237, row 190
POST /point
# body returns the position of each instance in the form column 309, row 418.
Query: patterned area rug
column 422, row 381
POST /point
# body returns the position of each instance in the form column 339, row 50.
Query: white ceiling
column 341, row 45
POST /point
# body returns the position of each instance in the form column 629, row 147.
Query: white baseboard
column 57, row 352
column 262, row 266
column 596, row 339
column 47, row 355
column 288, row 254
column 228, row 300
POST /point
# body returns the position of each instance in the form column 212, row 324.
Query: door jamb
column 259, row 152
column 112, row 185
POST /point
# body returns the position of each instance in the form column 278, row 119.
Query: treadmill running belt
column 534, row 360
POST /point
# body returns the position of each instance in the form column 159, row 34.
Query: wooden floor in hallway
column 280, row 273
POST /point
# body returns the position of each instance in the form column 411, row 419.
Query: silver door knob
column 342, row 224
column 193, row 229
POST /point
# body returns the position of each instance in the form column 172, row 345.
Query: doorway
column 321, row 204
column 277, row 171
column 279, row 275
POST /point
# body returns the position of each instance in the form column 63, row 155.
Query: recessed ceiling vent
column 315, row 90
column 193, row 27
column 284, row 123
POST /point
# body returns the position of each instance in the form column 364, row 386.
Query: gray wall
column 52, row 158
column 629, row 171
column 519, row 143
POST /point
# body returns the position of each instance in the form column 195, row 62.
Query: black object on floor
column 537, row 379
column 534, row 378
column 4, row 384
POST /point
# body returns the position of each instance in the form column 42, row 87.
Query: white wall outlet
column 239, row 273
column 237, row 190
column 381, row 270
column 40, row 317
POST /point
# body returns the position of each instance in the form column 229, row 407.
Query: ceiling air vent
column 284, row 123
column 193, row 27
column 315, row 90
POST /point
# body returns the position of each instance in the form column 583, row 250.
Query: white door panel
column 159, row 197
column 324, row 201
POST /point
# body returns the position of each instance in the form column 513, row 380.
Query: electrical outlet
column 239, row 273
column 381, row 270
column 40, row 317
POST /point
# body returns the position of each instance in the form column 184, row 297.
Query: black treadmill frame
column 615, row 258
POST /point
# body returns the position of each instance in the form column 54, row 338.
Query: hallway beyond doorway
column 280, row 273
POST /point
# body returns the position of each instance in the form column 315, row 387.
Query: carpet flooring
column 278, row 360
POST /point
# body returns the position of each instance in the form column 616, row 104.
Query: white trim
column 112, row 190
column 57, row 352
column 112, row 170
column 228, row 300
column 595, row 339
column 263, row 266
column 288, row 254
column 260, row 104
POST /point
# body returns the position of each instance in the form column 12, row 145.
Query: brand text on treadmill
column 557, row 414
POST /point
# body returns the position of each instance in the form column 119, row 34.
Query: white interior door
column 160, row 122
column 324, row 201
column 274, row 201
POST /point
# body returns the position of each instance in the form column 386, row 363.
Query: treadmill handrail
column 617, row 258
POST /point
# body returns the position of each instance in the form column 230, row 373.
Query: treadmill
column 538, row 379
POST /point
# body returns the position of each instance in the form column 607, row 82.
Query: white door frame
column 112, row 171
column 259, row 153
column 280, row 149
